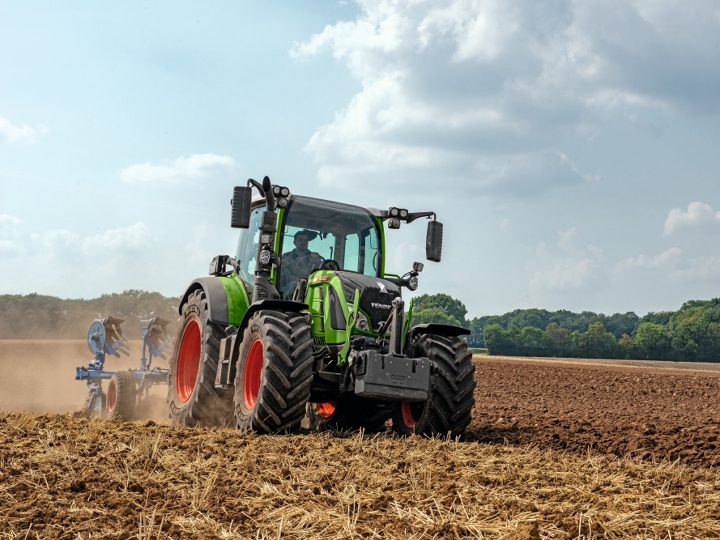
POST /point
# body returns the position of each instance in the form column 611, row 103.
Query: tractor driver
column 300, row 262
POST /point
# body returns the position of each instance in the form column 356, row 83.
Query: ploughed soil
column 655, row 411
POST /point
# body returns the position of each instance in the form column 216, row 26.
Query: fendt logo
column 398, row 377
column 380, row 306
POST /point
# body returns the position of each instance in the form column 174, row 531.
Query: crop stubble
column 559, row 427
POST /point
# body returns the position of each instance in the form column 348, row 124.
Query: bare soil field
column 557, row 449
column 654, row 413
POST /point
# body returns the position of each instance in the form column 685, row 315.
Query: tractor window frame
column 335, row 220
column 246, row 251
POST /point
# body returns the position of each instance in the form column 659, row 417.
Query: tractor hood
column 376, row 295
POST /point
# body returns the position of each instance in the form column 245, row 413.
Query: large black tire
column 448, row 408
column 95, row 405
column 274, row 372
column 350, row 414
column 121, row 396
column 192, row 396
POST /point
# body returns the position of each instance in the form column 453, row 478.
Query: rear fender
column 226, row 297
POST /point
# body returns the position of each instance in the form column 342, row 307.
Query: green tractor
column 305, row 327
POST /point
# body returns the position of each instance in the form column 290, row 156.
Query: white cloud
column 698, row 216
column 675, row 268
column 574, row 267
column 667, row 259
column 68, row 246
column 8, row 233
column 23, row 132
column 179, row 170
column 455, row 88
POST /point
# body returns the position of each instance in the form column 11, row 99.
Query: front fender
column 446, row 330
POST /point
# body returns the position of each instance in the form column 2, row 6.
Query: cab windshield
column 315, row 230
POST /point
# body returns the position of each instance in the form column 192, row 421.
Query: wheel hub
column 188, row 361
column 253, row 372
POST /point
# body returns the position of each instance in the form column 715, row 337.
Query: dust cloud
column 39, row 376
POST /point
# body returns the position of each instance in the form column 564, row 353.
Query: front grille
column 376, row 295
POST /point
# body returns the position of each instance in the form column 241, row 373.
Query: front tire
column 448, row 408
column 192, row 396
column 121, row 396
column 274, row 372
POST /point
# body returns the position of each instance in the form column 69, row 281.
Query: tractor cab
column 313, row 234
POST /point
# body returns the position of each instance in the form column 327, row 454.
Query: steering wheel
column 330, row 264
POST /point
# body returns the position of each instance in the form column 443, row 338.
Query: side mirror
column 242, row 197
column 433, row 243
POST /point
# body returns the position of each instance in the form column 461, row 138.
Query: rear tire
column 448, row 408
column 121, row 396
column 274, row 372
column 192, row 396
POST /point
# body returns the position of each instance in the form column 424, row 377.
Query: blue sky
column 570, row 148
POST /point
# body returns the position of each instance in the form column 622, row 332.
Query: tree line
column 692, row 333
column 37, row 316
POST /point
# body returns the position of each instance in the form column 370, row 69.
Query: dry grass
column 69, row 477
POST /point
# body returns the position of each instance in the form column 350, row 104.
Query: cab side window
column 247, row 248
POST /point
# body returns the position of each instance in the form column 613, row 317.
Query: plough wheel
column 121, row 396
column 274, row 372
column 450, row 402
column 192, row 395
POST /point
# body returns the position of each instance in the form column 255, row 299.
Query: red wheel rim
column 188, row 361
column 326, row 410
column 253, row 370
column 111, row 396
column 409, row 414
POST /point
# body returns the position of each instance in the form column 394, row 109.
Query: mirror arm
column 412, row 216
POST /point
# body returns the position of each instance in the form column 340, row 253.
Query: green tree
column 626, row 345
column 441, row 303
column 433, row 315
column 652, row 342
column 557, row 340
column 597, row 343
column 531, row 342
column 499, row 341
column 695, row 331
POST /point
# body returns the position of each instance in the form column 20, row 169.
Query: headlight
column 361, row 322
column 276, row 190
column 284, row 192
column 412, row 283
column 265, row 257
column 394, row 212
column 282, row 203
column 394, row 223
column 403, row 213
column 265, row 238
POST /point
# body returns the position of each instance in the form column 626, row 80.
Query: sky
column 571, row 149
